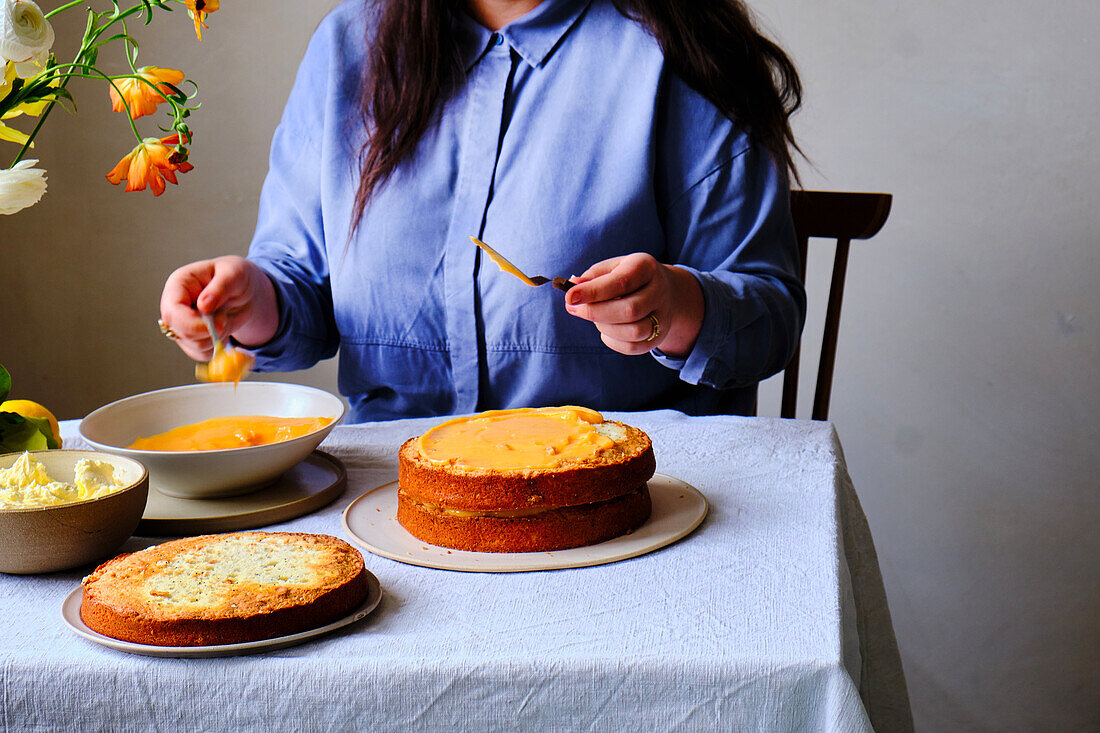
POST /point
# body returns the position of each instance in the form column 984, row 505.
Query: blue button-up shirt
column 570, row 141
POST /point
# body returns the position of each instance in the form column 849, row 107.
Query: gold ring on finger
column 656, row 331
column 166, row 330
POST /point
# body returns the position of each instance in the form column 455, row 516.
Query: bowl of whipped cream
column 60, row 509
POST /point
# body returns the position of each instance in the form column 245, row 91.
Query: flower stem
column 64, row 7
column 89, row 46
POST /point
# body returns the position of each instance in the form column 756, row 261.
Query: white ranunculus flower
column 25, row 36
column 21, row 186
column 7, row 76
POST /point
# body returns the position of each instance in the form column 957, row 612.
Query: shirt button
column 498, row 39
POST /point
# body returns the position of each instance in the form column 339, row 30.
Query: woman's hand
column 237, row 291
column 620, row 294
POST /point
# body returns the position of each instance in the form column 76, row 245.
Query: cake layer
column 224, row 589
column 625, row 465
column 543, row 531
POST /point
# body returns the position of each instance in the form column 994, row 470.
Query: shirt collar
column 534, row 36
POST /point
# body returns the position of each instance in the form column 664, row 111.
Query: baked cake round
column 225, row 588
column 525, row 480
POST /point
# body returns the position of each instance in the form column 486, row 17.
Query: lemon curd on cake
column 525, row 480
column 225, row 589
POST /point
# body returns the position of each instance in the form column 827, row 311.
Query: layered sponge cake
column 225, row 589
column 526, row 480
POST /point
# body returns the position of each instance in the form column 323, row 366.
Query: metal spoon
column 208, row 320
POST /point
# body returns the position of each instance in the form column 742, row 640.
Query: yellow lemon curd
column 528, row 437
column 238, row 431
column 226, row 365
column 26, row 484
column 501, row 262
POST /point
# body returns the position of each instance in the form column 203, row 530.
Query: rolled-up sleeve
column 732, row 230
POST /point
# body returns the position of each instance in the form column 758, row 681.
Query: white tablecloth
column 771, row 616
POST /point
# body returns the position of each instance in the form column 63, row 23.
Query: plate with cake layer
column 370, row 521
column 524, row 489
column 223, row 595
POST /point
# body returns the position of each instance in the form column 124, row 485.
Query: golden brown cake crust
column 629, row 465
column 225, row 589
column 579, row 502
column 553, row 529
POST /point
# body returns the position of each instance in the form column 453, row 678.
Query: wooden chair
column 843, row 217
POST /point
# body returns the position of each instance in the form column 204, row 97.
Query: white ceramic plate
column 371, row 522
column 70, row 613
column 305, row 488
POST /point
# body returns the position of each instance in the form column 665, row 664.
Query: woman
column 643, row 144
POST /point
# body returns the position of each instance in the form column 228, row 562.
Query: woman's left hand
column 638, row 304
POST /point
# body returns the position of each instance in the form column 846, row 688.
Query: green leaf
column 18, row 433
column 62, row 97
column 45, row 429
column 176, row 92
column 5, row 383
column 61, row 93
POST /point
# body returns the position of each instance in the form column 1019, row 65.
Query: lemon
column 27, row 408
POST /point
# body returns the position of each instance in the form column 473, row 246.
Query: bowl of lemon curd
column 206, row 441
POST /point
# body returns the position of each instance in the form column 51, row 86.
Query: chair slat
column 832, row 329
column 841, row 216
column 790, row 374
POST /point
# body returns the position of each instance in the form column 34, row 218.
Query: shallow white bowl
column 211, row 473
column 51, row 538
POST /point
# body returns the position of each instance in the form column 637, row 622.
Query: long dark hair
column 414, row 64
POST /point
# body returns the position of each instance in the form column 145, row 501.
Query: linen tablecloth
column 770, row 616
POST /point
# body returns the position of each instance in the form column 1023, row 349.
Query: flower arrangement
column 33, row 82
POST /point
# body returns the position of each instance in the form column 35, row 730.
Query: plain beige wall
column 966, row 393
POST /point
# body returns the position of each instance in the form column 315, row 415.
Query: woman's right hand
column 235, row 290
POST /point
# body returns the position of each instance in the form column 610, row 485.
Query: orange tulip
column 142, row 96
column 199, row 9
column 152, row 163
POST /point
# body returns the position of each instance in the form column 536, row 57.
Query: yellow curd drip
column 239, row 431
column 501, row 262
column 226, row 365
column 512, row 439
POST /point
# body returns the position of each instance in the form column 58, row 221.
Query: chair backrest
column 840, row 216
